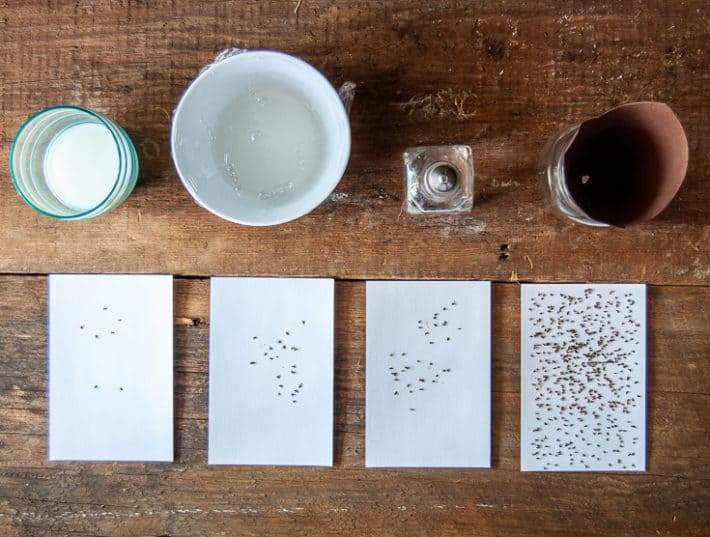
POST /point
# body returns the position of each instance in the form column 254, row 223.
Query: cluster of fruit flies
column 98, row 332
column 97, row 335
column 276, row 352
column 412, row 377
column 585, row 379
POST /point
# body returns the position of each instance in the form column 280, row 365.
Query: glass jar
column 71, row 163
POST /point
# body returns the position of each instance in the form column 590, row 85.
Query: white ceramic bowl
column 209, row 102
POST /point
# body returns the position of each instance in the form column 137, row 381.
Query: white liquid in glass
column 81, row 165
column 269, row 141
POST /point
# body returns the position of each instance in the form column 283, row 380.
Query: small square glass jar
column 438, row 179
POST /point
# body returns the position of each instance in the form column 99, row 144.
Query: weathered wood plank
column 502, row 77
column 188, row 498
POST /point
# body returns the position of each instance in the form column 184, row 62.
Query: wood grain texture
column 188, row 498
column 501, row 76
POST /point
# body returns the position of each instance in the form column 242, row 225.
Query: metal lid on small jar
column 438, row 179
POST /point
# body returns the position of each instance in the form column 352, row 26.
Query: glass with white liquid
column 260, row 138
column 71, row 163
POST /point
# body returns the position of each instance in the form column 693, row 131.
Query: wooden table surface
column 502, row 76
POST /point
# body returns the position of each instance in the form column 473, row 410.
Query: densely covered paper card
column 583, row 377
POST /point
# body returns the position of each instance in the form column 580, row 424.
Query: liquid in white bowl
column 269, row 142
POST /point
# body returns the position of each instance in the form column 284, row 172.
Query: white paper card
column 271, row 371
column 110, row 367
column 428, row 393
column 583, row 377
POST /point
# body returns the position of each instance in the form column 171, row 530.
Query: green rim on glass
column 30, row 147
